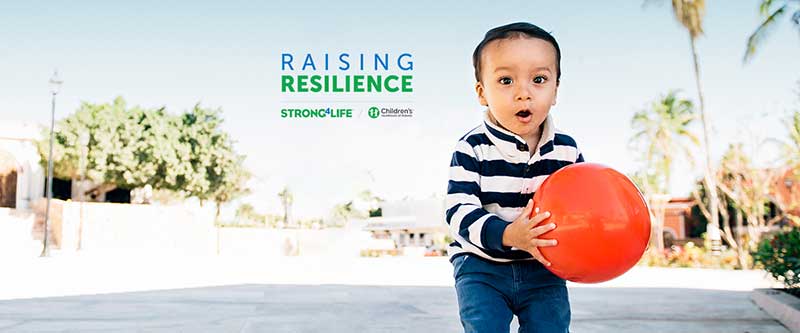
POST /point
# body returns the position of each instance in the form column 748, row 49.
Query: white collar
column 511, row 144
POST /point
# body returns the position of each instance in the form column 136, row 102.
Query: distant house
column 22, row 178
column 410, row 223
column 676, row 217
column 786, row 191
column 682, row 219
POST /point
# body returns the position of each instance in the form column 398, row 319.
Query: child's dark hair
column 518, row 29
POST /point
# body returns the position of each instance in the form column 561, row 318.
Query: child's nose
column 523, row 94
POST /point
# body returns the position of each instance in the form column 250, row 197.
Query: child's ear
column 479, row 90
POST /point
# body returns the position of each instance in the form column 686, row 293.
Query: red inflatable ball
column 602, row 222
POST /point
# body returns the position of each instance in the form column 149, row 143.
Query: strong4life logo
column 374, row 112
column 317, row 113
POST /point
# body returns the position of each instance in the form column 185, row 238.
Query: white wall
column 146, row 228
column 15, row 234
column 304, row 242
column 427, row 212
column 187, row 229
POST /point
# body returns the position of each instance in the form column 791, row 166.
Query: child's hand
column 523, row 233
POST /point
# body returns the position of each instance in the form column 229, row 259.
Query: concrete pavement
column 170, row 294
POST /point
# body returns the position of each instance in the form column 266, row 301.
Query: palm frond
column 662, row 133
column 764, row 7
column 761, row 33
column 690, row 14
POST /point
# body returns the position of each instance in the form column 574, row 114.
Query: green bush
column 780, row 256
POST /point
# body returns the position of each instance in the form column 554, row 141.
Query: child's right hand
column 524, row 233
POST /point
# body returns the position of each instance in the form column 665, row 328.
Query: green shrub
column 780, row 256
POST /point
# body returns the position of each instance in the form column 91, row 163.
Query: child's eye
column 539, row 79
column 505, row 80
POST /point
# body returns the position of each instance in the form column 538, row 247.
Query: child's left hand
column 524, row 233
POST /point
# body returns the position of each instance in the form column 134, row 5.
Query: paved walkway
column 170, row 294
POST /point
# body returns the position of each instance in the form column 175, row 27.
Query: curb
column 780, row 305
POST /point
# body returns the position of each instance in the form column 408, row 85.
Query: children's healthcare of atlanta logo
column 374, row 112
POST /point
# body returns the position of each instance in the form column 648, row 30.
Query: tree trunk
column 742, row 250
column 285, row 215
column 726, row 228
column 753, row 230
column 658, row 205
column 711, row 187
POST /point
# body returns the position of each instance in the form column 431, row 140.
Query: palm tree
column 664, row 127
column 287, row 198
column 664, row 130
column 343, row 212
column 373, row 201
column 690, row 14
column 771, row 11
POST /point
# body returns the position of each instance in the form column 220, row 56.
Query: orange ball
column 602, row 222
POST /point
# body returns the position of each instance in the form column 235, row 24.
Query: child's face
column 518, row 83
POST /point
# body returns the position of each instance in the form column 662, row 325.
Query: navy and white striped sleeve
column 562, row 141
column 466, row 217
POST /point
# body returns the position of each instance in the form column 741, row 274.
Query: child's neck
column 532, row 140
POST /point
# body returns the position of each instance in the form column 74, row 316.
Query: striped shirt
column 492, row 177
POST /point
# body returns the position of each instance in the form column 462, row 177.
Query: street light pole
column 55, row 86
column 83, row 140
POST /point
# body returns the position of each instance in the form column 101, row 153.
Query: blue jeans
column 490, row 293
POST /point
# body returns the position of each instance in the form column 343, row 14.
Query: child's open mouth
column 524, row 116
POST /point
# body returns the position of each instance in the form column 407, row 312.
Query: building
column 677, row 214
column 22, row 177
column 411, row 225
column 786, row 191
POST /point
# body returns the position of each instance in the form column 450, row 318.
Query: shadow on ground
column 342, row 308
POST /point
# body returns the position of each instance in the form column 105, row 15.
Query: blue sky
column 617, row 57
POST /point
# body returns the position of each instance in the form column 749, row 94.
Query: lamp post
column 55, row 86
column 83, row 140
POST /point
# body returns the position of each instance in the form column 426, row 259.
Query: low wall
column 125, row 227
column 182, row 230
column 304, row 242
column 16, row 236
